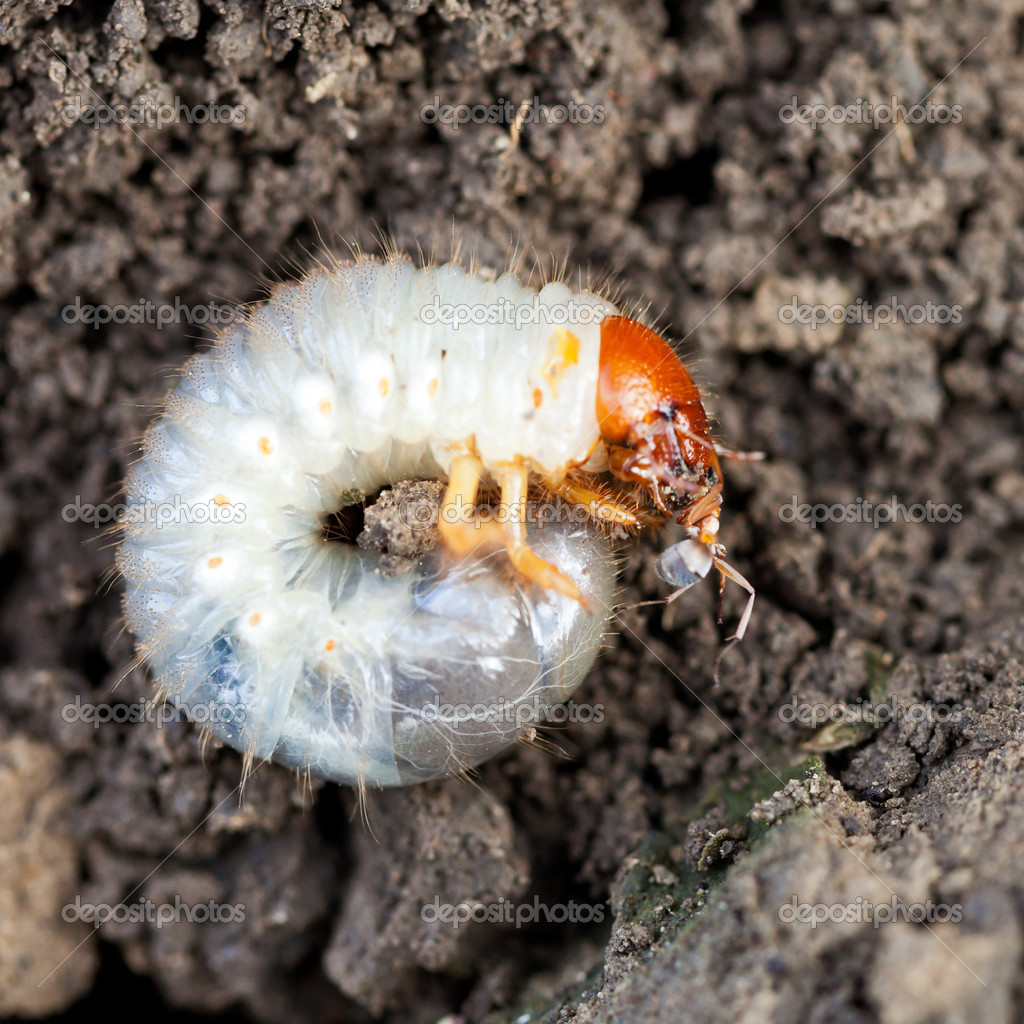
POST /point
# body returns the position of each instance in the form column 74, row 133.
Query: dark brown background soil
column 714, row 211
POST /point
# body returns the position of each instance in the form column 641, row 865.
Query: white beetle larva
column 359, row 376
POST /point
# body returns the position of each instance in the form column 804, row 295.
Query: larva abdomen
column 476, row 658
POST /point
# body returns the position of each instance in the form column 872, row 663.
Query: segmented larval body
column 347, row 381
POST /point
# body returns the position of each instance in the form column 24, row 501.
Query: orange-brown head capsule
column 653, row 423
column 656, row 434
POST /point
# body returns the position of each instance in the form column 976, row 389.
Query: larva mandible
column 360, row 375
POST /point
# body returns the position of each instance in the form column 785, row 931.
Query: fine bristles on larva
column 534, row 268
column 539, row 740
column 631, row 497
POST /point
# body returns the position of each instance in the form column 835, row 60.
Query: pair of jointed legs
column 463, row 534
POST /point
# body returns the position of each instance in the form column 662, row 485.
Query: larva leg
column 599, row 506
column 704, row 506
column 513, row 481
column 461, row 531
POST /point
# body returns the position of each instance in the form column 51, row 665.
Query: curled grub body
column 361, row 375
